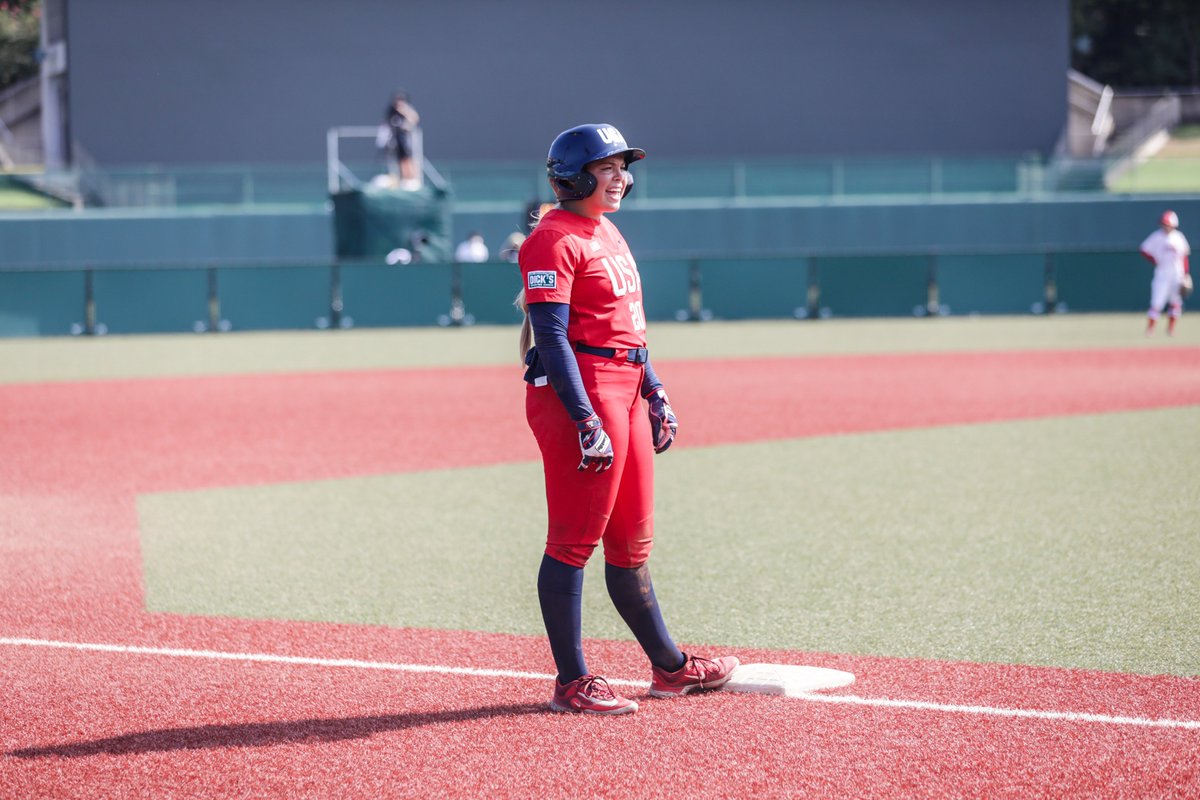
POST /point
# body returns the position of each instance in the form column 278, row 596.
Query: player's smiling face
column 610, row 187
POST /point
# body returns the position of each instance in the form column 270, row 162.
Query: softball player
column 599, row 414
column 1168, row 250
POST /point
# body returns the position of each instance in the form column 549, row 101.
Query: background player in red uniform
column 599, row 414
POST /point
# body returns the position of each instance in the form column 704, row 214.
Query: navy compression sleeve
column 549, row 323
column 650, row 381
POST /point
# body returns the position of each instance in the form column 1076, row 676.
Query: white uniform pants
column 1164, row 289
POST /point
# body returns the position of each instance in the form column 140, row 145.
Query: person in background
column 472, row 249
column 599, row 414
column 401, row 120
column 511, row 249
column 1168, row 250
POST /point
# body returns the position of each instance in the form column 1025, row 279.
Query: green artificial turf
column 1064, row 542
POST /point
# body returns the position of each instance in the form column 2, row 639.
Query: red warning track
column 100, row 724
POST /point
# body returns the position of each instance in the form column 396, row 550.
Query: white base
column 785, row 679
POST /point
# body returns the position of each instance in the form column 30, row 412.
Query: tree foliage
column 1131, row 43
column 20, row 22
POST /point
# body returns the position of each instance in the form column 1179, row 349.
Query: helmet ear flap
column 577, row 187
column 562, row 187
column 573, row 187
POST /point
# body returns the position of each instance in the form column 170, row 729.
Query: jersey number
column 639, row 316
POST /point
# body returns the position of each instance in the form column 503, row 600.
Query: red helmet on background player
column 1169, row 220
column 574, row 149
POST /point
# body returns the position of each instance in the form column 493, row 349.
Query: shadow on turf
column 266, row 734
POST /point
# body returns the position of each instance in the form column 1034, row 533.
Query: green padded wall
column 41, row 303
column 129, row 238
column 666, row 288
column 870, row 258
column 873, row 286
column 1103, row 281
column 874, row 226
column 991, row 284
column 151, row 300
column 274, row 298
column 382, row 295
column 753, row 288
column 375, row 222
column 488, row 291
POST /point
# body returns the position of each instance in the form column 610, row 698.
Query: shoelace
column 596, row 687
column 704, row 666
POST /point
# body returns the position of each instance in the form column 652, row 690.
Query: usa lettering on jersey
column 622, row 274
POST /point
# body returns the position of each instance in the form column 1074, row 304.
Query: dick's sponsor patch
column 542, row 280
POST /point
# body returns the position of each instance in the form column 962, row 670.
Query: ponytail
column 526, row 340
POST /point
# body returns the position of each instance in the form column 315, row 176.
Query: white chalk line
column 1065, row 716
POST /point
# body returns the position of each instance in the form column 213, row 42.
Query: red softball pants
column 585, row 508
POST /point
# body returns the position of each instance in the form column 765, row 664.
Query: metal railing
column 1090, row 119
column 483, row 186
column 340, row 176
column 1143, row 138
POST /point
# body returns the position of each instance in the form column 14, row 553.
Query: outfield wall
column 873, row 226
column 103, row 271
column 284, row 296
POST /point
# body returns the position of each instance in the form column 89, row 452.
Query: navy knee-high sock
column 560, row 592
column 633, row 595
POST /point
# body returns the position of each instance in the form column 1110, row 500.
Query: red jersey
column 585, row 263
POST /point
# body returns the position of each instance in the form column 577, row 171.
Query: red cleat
column 695, row 674
column 590, row 694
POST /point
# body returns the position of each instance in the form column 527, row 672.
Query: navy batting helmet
column 574, row 149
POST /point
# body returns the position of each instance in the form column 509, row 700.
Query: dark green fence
column 119, row 298
column 123, row 271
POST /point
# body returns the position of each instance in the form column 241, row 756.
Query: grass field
column 1175, row 168
column 16, row 197
column 991, row 522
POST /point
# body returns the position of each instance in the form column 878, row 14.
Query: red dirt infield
column 112, row 724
